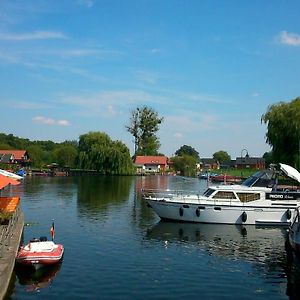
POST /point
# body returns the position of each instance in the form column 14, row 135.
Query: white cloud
column 287, row 38
column 87, row 3
column 37, row 35
column 63, row 123
column 178, row 135
column 49, row 121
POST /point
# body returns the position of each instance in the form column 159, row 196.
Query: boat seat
column 41, row 246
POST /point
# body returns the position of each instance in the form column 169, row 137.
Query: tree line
column 94, row 151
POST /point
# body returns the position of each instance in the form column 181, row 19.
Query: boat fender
column 181, row 211
column 288, row 214
column 198, row 212
column 244, row 217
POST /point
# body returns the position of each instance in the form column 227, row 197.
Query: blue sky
column 210, row 68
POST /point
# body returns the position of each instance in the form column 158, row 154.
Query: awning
column 290, row 171
column 5, row 181
column 9, row 174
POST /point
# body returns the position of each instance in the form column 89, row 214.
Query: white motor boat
column 257, row 201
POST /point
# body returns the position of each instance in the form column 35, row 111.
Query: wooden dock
column 10, row 238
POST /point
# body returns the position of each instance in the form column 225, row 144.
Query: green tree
column 185, row 164
column 144, row 123
column 35, row 153
column 65, row 155
column 221, row 156
column 188, row 150
column 268, row 156
column 283, row 131
column 98, row 152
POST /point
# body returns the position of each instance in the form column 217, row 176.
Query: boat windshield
column 208, row 192
column 260, row 179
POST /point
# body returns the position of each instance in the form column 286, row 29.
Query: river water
column 117, row 248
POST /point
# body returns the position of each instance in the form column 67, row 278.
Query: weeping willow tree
column 98, row 152
column 283, row 131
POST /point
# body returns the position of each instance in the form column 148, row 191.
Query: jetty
column 10, row 238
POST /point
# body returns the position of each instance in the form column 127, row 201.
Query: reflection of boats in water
column 247, row 242
column 34, row 280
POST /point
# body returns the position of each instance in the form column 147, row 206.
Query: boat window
column 208, row 192
column 224, row 195
column 260, row 179
column 247, row 197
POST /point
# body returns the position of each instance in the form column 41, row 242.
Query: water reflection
column 260, row 245
column 98, row 193
column 265, row 248
column 34, row 280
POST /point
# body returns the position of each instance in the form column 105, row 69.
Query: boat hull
column 294, row 237
column 222, row 214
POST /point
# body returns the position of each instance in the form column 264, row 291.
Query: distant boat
column 225, row 178
column 21, row 173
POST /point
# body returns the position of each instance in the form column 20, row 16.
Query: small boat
column 294, row 232
column 40, row 252
column 225, row 178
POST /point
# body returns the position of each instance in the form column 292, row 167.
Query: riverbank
column 11, row 235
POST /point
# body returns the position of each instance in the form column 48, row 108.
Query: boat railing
column 7, row 231
column 168, row 194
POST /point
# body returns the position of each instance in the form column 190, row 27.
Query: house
column 14, row 157
column 151, row 164
column 209, row 164
column 248, row 162
column 228, row 164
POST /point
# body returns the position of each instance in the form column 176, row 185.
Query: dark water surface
column 116, row 247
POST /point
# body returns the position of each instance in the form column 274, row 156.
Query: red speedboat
column 40, row 252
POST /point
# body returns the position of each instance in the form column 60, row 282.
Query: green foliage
column 144, row 123
column 5, row 217
column 98, row 152
column 283, row 131
column 95, row 151
column 188, row 150
column 185, row 164
column 35, row 153
column 65, row 155
column 221, row 156
column 268, row 156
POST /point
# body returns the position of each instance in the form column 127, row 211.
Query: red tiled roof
column 18, row 154
column 151, row 160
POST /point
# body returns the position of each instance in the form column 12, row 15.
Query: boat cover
column 290, row 171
